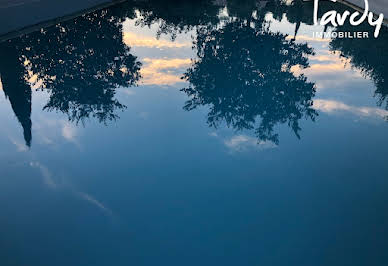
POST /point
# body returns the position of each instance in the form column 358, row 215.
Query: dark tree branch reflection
column 369, row 55
column 243, row 73
column 18, row 92
column 176, row 16
column 79, row 63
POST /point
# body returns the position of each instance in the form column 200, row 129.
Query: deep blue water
column 193, row 133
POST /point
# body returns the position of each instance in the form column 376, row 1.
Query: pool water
column 194, row 133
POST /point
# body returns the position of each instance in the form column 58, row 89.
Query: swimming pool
column 194, row 133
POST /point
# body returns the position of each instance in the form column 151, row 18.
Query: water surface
column 193, row 133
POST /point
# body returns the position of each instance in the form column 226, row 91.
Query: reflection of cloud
column 128, row 91
column 328, row 70
column 168, row 63
column 21, row 146
column 49, row 181
column 163, row 71
column 325, row 58
column 243, row 142
column 33, row 79
column 319, row 69
column 331, row 106
column 324, row 68
column 46, row 175
column 69, row 132
column 326, row 63
column 135, row 40
column 48, row 131
column 95, row 202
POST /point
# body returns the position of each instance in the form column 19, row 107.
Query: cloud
column 128, row 91
column 49, row 131
column 163, row 71
column 305, row 38
column 324, row 68
column 326, row 63
column 48, row 180
column 94, row 202
column 21, row 147
column 135, row 40
column 168, row 63
column 328, row 71
column 46, row 174
column 69, row 132
column 331, row 106
column 242, row 142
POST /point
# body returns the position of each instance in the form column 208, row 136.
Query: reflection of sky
column 168, row 178
column 342, row 93
column 164, row 60
column 337, row 82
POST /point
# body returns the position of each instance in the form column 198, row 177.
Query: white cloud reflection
column 49, row 181
column 164, row 71
column 137, row 40
column 20, row 146
column 69, row 132
column 242, row 143
column 332, row 106
column 49, row 131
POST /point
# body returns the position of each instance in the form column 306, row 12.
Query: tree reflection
column 80, row 63
column 15, row 88
column 175, row 16
column 370, row 55
column 243, row 73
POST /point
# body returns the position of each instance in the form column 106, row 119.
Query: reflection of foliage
column 81, row 63
column 241, row 8
column 12, row 75
column 244, row 73
column 370, row 55
column 299, row 11
column 175, row 16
